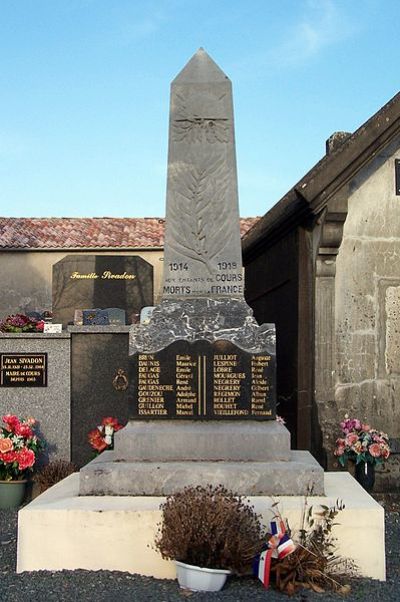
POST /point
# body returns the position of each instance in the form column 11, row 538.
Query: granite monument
column 202, row 371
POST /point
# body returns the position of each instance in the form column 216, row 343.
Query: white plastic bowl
column 199, row 579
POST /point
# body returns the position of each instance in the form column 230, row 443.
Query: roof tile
column 86, row 233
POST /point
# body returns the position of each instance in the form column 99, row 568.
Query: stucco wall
column 26, row 277
column 367, row 299
column 366, row 345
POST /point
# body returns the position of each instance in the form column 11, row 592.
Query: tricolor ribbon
column 278, row 546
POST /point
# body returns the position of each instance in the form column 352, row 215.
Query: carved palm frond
column 199, row 211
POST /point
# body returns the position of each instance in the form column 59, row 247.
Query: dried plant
column 314, row 564
column 53, row 473
column 210, row 527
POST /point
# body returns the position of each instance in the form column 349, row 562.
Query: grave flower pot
column 365, row 475
column 12, row 493
column 199, row 579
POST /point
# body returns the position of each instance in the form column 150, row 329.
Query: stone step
column 298, row 476
column 172, row 440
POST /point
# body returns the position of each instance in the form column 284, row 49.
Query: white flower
column 17, row 441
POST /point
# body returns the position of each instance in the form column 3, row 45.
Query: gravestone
column 101, row 281
column 202, row 371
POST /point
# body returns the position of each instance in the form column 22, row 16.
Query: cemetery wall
column 27, row 276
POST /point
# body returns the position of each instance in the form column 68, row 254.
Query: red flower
column 25, row 458
column 24, row 430
column 110, row 421
column 97, row 441
column 8, row 457
column 11, row 422
column 40, row 326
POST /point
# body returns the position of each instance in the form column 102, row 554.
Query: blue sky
column 85, row 93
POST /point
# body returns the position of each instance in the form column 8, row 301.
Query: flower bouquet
column 361, row 443
column 19, row 448
column 102, row 437
column 21, row 323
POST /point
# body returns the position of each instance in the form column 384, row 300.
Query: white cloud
column 321, row 25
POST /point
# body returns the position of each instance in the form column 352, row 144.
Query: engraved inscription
column 203, row 380
column 23, row 369
column 151, row 393
column 227, row 386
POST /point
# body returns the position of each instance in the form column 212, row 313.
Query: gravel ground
column 104, row 586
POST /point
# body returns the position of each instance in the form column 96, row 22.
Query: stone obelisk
column 202, row 255
column 202, row 371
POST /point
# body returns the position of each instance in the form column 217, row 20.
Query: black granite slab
column 201, row 381
column 101, row 281
column 99, row 366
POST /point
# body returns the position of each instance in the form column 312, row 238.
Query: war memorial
column 201, row 398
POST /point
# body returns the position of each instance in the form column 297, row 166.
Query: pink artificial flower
column 351, row 439
column 365, row 427
column 375, row 450
column 350, row 424
column 5, row 445
column 31, row 421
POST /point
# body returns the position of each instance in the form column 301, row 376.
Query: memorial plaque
column 95, row 317
column 202, row 380
column 52, row 328
column 116, row 316
column 23, row 369
column 101, row 281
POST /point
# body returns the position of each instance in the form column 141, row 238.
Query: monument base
column 117, row 532
column 160, row 458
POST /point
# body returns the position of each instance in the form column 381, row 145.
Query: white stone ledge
column 117, row 533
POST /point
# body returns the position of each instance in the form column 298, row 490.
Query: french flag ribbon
column 278, row 546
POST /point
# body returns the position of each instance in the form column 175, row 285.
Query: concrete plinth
column 107, row 476
column 117, row 532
